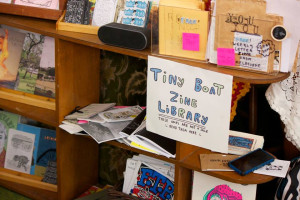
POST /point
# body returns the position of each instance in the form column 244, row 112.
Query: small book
column 30, row 62
column 51, row 173
column 10, row 56
column 90, row 110
column 135, row 12
column 104, row 132
column 44, row 146
column 162, row 144
column 240, row 143
column 121, row 114
column 216, row 162
column 45, row 83
column 7, row 121
column 75, row 11
column 139, row 186
column 134, row 124
column 19, row 151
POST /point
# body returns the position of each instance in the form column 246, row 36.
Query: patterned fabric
column 123, row 79
column 284, row 98
column 239, row 89
column 288, row 187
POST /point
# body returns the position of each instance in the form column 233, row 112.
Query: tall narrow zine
column 30, row 62
column 11, row 44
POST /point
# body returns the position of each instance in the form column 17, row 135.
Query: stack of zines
column 146, row 177
column 104, row 122
column 137, row 136
column 101, row 12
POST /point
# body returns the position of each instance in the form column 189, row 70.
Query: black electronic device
column 126, row 36
column 251, row 161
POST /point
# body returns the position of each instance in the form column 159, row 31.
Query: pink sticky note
column 226, row 56
column 190, row 41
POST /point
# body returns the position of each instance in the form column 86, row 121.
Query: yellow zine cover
column 183, row 32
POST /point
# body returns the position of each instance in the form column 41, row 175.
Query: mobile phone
column 251, row 161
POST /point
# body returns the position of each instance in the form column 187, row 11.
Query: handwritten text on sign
column 188, row 104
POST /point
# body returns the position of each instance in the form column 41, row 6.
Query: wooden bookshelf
column 77, row 84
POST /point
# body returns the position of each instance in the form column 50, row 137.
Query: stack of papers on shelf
column 100, row 121
column 140, row 138
column 89, row 111
column 144, row 174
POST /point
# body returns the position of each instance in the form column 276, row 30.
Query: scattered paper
column 277, row 168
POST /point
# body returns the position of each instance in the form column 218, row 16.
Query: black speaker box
column 126, row 36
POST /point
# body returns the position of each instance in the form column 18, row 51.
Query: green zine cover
column 30, row 62
column 11, row 43
column 7, row 121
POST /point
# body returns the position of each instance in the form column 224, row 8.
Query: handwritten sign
column 226, row 56
column 190, row 41
column 188, row 104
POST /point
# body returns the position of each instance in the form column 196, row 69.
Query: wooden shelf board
column 26, row 179
column 193, row 162
column 30, row 11
column 48, row 27
column 36, row 113
column 26, row 98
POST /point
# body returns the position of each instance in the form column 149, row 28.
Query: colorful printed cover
column 149, row 183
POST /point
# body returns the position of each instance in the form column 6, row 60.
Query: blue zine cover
column 44, row 141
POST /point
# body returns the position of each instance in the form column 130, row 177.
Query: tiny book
column 140, row 185
column 8, row 121
column 20, row 146
column 30, row 62
column 121, row 114
column 134, row 124
column 45, row 83
column 89, row 110
column 183, row 29
column 216, row 162
column 240, row 143
column 75, row 11
column 44, row 147
column 160, row 144
column 11, row 44
column 104, row 132
column 135, row 12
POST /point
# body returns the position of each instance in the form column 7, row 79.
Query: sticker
column 190, row 41
column 245, row 44
column 243, row 142
column 226, row 56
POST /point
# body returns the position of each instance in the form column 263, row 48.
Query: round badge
column 279, row 33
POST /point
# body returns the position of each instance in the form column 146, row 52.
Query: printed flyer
column 188, row 104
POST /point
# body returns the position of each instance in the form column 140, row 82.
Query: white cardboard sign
column 188, row 104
